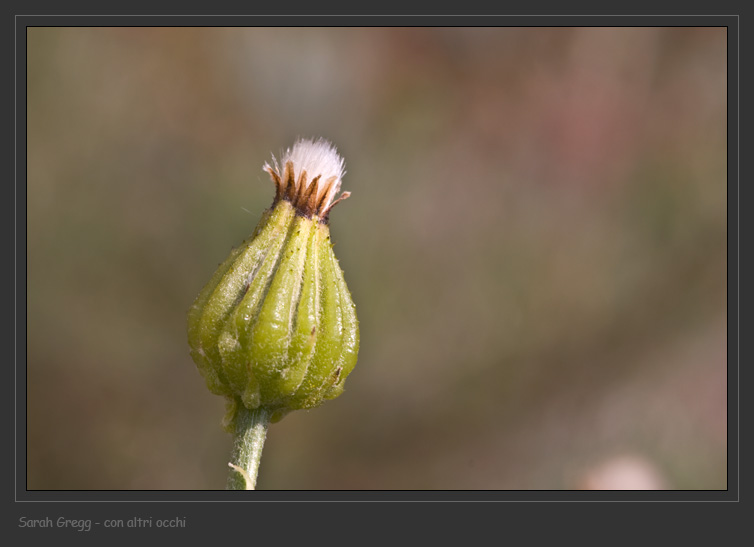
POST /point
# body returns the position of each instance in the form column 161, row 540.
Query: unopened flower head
column 309, row 176
column 275, row 327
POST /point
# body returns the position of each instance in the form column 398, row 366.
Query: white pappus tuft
column 309, row 175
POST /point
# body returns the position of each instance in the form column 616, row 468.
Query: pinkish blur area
column 535, row 242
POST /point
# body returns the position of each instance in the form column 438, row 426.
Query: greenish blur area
column 535, row 243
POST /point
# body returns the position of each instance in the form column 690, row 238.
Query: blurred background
column 536, row 245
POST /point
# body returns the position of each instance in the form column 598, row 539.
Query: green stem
column 248, row 441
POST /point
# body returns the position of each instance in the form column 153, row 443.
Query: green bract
column 275, row 327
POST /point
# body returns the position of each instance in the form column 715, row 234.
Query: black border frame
column 31, row 503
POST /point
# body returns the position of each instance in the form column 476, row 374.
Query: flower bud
column 275, row 327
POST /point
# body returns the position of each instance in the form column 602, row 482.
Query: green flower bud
column 275, row 327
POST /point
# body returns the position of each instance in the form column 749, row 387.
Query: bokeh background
column 536, row 245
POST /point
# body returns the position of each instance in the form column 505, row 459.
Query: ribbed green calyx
column 275, row 327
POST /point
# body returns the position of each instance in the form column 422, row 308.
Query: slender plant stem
column 248, row 441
